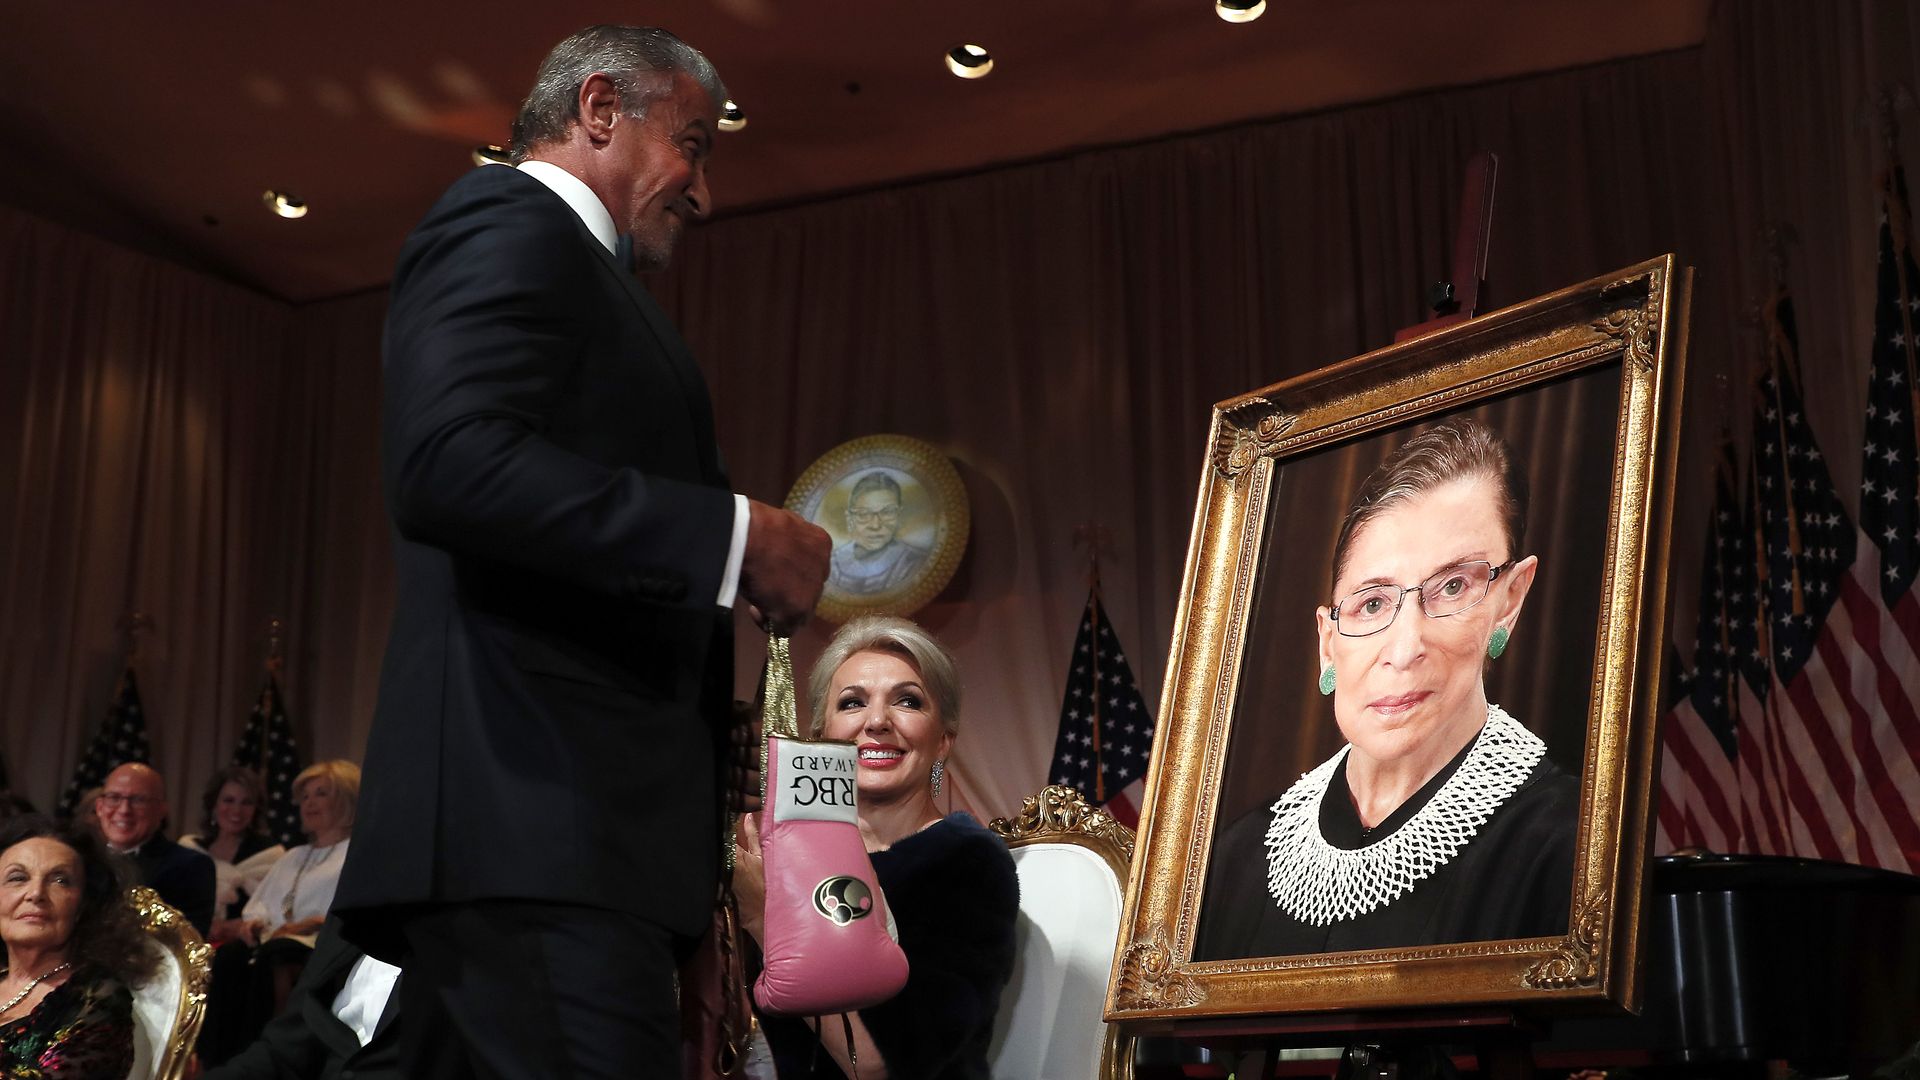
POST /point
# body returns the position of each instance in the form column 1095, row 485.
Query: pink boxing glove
column 827, row 941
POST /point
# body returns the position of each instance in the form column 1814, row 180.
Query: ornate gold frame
column 1634, row 319
column 951, row 513
column 195, row 957
column 1061, row 815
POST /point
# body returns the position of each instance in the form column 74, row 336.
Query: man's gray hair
column 939, row 675
column 641, row 61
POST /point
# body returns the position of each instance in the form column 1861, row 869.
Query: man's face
column 661, row 179
column 131, row 806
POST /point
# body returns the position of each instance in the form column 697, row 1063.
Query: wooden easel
column 1501, row 1040
column 1458, row 299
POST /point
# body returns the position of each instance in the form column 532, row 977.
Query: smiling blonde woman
column 885, row 685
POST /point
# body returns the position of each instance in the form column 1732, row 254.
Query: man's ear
column 599, row 104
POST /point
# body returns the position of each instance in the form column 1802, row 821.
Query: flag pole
column 276, row 630
column 1095, row 537
column 131, row 626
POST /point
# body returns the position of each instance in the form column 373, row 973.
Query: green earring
column 1326, row 680
column 1498, row 643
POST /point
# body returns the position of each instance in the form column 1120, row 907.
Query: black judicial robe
column 1514, row 879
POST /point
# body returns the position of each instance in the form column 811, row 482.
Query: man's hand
column 784, row 567
column 750, row 877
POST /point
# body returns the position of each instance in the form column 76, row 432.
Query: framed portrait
column 897, row 513
column 1406, row 751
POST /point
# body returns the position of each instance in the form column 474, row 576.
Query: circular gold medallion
column 898, row 516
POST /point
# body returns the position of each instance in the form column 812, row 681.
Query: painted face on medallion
column 873, row 519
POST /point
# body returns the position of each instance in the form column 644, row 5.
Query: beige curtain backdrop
column 175, row 445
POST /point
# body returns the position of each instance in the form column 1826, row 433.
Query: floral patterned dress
column 83, row 1030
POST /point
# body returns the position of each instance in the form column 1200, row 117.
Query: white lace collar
column 1317, row 883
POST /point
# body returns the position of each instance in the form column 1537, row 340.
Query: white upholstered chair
column 168, row 1008
column 1072, row 861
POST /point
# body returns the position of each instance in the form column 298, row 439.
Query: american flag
column 267, row 747
column 1106, row 729
column 1699, row 777
column 122, row 738
column 1826, row 753
column 1888, row 514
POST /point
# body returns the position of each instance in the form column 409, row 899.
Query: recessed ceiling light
column 732, row 116
column 287, row 206
column 1239, row 10
column 492, row 154
column 969, row 61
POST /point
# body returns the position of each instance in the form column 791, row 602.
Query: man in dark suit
column 339, row 1022
column 132, row 808
column 541, row 820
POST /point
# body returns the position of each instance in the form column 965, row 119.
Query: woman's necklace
column 306, row 862
column 1320, row 884
column 22, row 995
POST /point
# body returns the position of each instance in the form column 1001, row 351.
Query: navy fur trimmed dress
column 955, row 900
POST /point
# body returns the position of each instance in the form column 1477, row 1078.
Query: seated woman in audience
column 234, row 833
column 293, row 900
column 73, row 948
column 887, row 686
column 254, row 973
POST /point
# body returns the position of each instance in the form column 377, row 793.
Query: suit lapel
column 385, row 1023
column 673, row 351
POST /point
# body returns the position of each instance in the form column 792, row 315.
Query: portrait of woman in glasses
column 874, row 559
column 1441, row 820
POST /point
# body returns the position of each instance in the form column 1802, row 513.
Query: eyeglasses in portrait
column 1405, row 756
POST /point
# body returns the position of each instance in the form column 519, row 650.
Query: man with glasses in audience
column 132, row 808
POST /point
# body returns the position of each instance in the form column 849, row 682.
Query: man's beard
column 651, row 253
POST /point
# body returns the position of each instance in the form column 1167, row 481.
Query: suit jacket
column 307, row 1041
column 182, row 876
column 558, row 670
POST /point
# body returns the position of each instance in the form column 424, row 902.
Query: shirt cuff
column 730, row 578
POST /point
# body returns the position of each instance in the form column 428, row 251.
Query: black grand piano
column 1752, row 959
column 1753, row 962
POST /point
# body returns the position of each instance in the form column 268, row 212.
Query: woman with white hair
column 887, row 686
column 254, row 974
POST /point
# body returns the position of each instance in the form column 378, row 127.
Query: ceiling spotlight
column 492, row 154
column 732, row 116
column 1238, row 11
column 969, row 61
column 287, row 206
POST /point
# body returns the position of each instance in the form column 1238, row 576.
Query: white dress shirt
column 308, row 875
column 363, row 997
column 593, row 214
